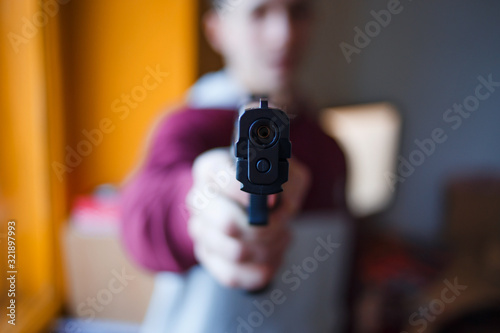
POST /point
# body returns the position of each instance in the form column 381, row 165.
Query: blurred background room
column 413, row 98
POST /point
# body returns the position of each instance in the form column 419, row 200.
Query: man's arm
column 154, row 212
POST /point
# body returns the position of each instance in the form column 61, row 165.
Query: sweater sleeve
column 154, row 213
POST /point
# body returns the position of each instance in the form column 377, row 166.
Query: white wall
column 427, row 58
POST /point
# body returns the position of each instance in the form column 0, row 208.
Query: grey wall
column 424, row 61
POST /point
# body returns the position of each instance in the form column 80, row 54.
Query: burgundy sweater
column 154, row 212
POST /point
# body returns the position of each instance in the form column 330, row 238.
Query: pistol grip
column 258, row 210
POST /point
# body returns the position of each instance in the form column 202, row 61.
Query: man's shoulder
column 188, row 113
column 187, row 126
column 185, row 116
column 309, row 129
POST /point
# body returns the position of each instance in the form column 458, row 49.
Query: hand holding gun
column 236, row 253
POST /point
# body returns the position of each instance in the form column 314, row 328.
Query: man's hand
column 235, row 253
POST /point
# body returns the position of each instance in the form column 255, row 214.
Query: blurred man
column 184, row 212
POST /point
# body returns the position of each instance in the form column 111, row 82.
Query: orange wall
column 26, row 182
column 68, row 75
column 109, row 48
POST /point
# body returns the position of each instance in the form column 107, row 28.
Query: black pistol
column 262, row 148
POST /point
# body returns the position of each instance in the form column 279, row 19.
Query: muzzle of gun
column 262, row 147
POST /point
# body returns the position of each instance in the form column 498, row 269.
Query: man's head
column 262, row 41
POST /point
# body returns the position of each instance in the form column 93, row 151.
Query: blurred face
column 262, row 41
